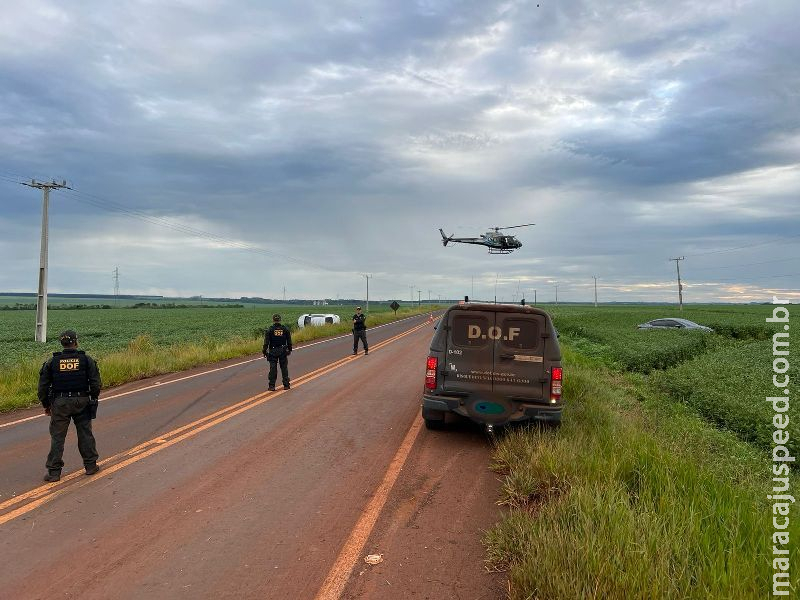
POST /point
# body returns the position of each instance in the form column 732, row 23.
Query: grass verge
column 145, row 358
column 633, row 497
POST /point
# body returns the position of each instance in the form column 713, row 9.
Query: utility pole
column 284, row 293
column 595, row 290
column 534, row 297
column 41, row 298
column 116, row 286
column 680, row 286
column 429, row 298
column 556, row 294
column 411, row 289
column 419, row 299
column 367, row 277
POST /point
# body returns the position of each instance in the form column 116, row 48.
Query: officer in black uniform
column 277, row 348
column 359, row 331
column 69, row 388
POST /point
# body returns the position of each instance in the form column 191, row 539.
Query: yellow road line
column 337, row 577
column 168, row 381
column 44, row 489
column 45, row 493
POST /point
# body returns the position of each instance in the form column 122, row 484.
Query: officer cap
column 358, row 308
column 68, row 338
column 276, row 317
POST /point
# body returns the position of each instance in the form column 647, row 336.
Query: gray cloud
column 345, row 135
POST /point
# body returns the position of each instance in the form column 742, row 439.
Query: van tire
column 434, row 419
column 434, row 424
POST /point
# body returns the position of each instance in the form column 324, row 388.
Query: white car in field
column 309, row 320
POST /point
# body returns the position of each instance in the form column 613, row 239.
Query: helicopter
column 497, row 242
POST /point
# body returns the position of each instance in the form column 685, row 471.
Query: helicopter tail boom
column 445, row 239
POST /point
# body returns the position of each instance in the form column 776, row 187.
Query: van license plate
column 527, row 358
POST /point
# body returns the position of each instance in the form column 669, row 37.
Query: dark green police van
column 494, row 364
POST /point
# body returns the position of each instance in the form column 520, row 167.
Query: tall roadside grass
column 633, row 497
column 143, row 357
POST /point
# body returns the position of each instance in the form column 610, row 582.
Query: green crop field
column 135, row 343
column 729, row 388
column 112, row 329
column 610, row 333
column 725, row 376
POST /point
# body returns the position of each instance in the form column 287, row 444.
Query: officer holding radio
column 69, row 388
column 359, row 331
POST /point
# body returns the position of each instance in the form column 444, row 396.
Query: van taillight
column 430, row 372
column 556, row 379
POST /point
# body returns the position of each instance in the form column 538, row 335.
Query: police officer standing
column 359, row 331
column 277, row 347
column 69, row 388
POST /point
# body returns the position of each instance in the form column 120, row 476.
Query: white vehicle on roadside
column 309, row 320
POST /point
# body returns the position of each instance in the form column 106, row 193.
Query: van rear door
column 519, row 356
column 469, row 352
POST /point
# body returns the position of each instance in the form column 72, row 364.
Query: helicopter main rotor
column 513, row 226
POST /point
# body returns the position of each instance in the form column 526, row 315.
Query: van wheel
column 434, row 419
column 434, row 424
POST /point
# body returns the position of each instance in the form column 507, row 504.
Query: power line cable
column 763, row 262
column 175, row 226
column 163, row 222
column 781, row 239
column 749, row 279
column 108, row 205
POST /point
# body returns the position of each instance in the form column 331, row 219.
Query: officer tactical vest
column 277, row 337
column 70, row 372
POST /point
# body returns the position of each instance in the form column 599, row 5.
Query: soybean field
column 133, row 343
column 725, row 376
column 107, row 330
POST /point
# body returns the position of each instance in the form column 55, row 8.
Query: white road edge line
column 163, row 383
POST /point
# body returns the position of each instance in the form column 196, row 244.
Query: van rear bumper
column 444, row 404
column 522, row 411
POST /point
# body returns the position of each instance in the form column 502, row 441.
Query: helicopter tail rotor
column 445, row 239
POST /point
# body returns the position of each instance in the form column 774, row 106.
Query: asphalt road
column 212, row 487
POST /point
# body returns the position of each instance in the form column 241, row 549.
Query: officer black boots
column 52, row 476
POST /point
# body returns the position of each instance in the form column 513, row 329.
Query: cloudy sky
column 230, row 148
